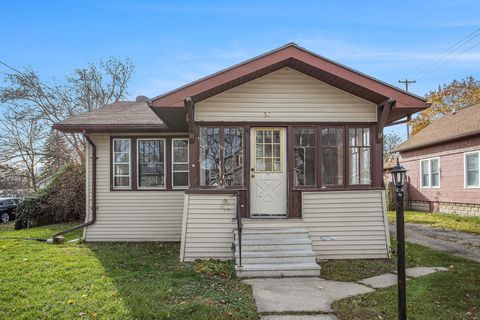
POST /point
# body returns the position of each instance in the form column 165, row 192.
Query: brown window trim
column 133, row 162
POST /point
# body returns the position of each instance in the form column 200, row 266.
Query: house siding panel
column 347, row 224
column 130, row 215
column 451, row 196
column 285, row 95
column 208, row 223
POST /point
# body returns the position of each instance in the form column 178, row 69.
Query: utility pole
column 406, row 82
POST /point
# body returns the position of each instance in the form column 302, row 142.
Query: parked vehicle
column 8, row 208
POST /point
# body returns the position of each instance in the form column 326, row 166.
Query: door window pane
column 151, row 163
column 179, row 163
column 268, row 150
column 333, row 158
column 304, row 156
column 359, row 155
column 121, row 163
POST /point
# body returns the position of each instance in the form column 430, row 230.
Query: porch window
column 233, row 156
column 121, row 164
column 179, row 163
column 221, row 156
column 472, row 170
column 359, row 156
column 304, row 156
column 430, row 173
column 151, row 163
column 333, row 158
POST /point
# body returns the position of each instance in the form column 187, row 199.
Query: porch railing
column 239, row 229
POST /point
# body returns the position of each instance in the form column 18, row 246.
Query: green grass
column 443, row 295
column 112, row 281
column 442, row 220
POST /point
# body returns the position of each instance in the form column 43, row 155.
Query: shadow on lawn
column 153, row 284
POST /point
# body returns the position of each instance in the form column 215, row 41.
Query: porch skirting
column 341, row 225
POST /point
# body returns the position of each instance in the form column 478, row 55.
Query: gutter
column 57, row 238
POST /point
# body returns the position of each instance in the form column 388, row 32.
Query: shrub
column 63, row 200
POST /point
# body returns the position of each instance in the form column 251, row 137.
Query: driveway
column 466, row 245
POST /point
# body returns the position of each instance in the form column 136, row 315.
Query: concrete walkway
column 465, row 245
column 316, row 295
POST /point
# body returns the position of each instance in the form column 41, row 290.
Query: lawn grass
column 443, row 295
column 112, row 281
column 442, row 220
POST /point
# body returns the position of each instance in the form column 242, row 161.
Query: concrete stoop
column 275, row 253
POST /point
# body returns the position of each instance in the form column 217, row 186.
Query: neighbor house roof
column 462, row 123
column 170, row 106
column 125, row 116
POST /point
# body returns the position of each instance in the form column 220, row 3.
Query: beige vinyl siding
column 347, row 224
column 131, row 215
column 208, row 223
column 285, row 95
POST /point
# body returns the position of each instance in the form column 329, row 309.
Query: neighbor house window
column 304, row 156
column 472, row 170
column 121, row 164
column 179, row 163
column 333, row 158
column 430, row 173
column 359, row 156
column 151, row 163
column 221, row 156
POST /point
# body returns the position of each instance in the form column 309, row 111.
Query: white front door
column 268, row 172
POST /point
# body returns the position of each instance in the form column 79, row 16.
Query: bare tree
column 85, row 90
column 21, row 142
column 390, row 141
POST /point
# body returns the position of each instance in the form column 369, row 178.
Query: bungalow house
column 276, row 161
column 443, row 164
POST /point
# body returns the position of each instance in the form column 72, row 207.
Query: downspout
column 57, row 237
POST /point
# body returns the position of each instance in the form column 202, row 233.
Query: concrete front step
column 278, row 270
column 260, row 236
column 276, row 257
column 259, row 230
column 273, row 241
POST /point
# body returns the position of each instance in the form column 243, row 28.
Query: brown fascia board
column 433, row 143
column 404, row 99
column 99, row 128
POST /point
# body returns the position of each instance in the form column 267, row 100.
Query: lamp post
column 398, row 178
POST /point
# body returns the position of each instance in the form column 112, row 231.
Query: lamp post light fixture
column 398, row 178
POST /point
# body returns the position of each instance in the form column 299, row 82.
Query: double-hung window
column 430, row 173
column 151, row 163
column 221, row 156
column 180, row 163
column 472, row 169
column 359, row 156
column 121, row 164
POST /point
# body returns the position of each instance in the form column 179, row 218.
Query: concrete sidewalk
column 316, row 295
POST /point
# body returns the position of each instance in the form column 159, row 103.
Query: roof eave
column 111, row 128
column 432, row 143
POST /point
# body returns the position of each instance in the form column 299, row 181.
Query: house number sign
column 328, row 238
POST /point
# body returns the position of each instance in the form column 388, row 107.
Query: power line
column 22, row 73
column 457, row 45
column 446, row 61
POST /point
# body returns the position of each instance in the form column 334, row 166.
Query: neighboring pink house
column 443, row 163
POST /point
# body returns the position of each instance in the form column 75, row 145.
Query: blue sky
column 172, row 43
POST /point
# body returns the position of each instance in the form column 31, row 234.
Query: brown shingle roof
column 464, row 122
column 125, row 115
